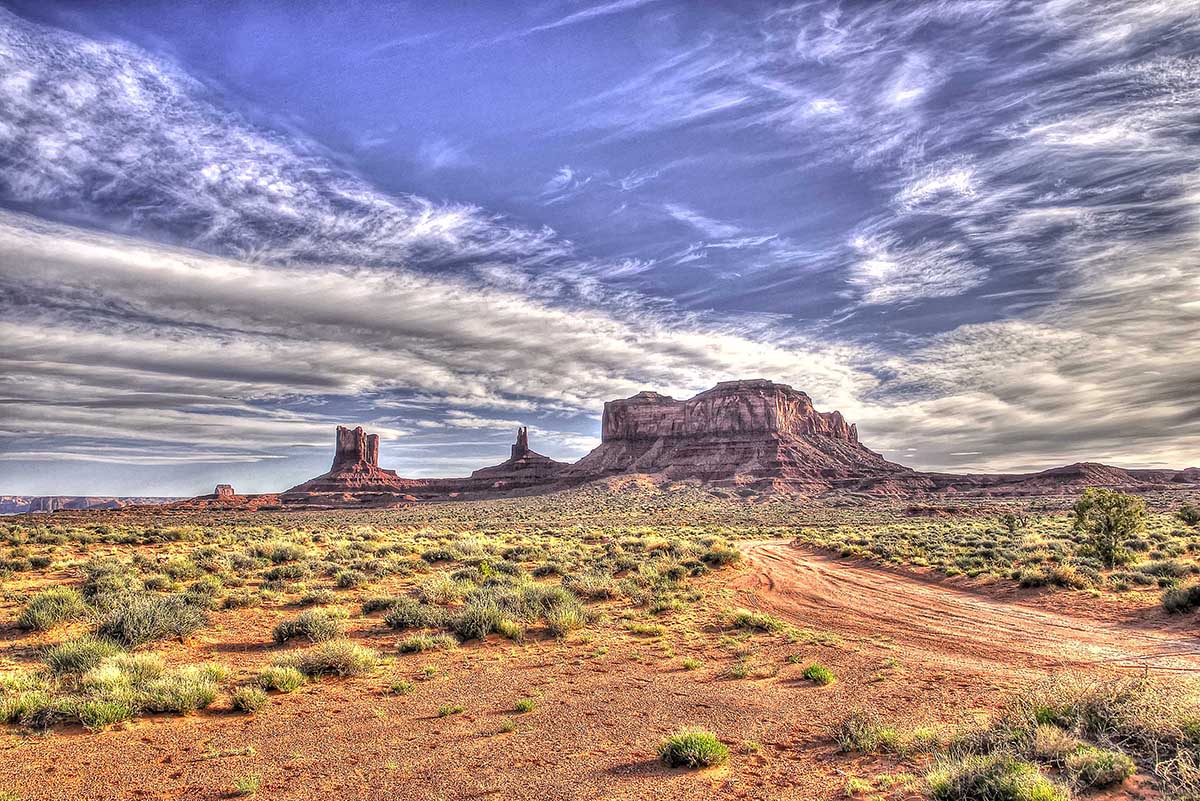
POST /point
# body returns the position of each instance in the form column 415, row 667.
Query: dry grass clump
column 315, row 625
column 95, row 684
column 51, row 607
column 333, row 658
column 1090, row 734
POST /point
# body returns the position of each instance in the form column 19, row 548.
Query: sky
column 227, row 227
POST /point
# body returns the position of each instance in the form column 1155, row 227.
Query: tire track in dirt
column 946, row 624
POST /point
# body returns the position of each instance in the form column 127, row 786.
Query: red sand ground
column 918, row 650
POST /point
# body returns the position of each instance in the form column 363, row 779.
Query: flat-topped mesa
column 754, row 434
column 224, row 491
column 730, row 409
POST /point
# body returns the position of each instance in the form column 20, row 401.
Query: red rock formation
column 524, row 468
column 742, row 433
column 745, row 434
column 355, row 471
column 224, row 491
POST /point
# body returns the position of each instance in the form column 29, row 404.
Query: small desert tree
column 1106, row 518
column 1190, row 514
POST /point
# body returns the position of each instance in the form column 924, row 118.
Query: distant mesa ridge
column 750, row 436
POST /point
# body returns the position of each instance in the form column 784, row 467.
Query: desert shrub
column 378, row 603
column 1072, row 577
column 108, row 577
column 247, row 785
column 451, row 709
column 721, row 556
column 79, row 655
column 1166, row 568
column 318, row 598
column 477, row 619
column 1189, row 514
column 524, row 705
column 1106, row 519
column 865, row 732
column 145, row 618
column 991, row 777
column 349, row 579
column 426, row 642
column 1181, row 599
column 249, row 699
column 334, row 658
column 1052, row 744
column 692, row 748
column 191, row 688
column 409, row 613
column 1033, row 577
column 51, row 607
column 280, row 677
column 281, row 574
column 442, row 589
column 281, row 552
column 316, row 625
column 818, row 674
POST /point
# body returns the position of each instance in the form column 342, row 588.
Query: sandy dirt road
column 936, row 621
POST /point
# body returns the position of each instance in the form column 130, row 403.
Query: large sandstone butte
column 755, row 434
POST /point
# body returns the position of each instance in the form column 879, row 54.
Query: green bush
column 754, row 621
column 477, row 619
column 819, row 674
column 1107, row 518
column 865, row 733
column 693, row 748
column 349, row 579
column 97, row 714
column 1189, row 514
column 409, row 613
column 51, row 607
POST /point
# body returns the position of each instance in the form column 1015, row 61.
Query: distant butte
column 752, row 437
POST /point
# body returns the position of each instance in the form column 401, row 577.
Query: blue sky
column 971, row 226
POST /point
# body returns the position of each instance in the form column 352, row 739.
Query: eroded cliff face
column 731, row 408
column 744, row 433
